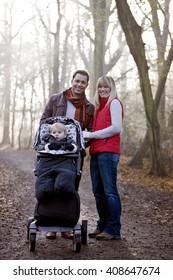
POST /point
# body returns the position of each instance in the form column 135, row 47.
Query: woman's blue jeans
column 103, row 169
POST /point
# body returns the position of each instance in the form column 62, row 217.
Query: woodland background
column 43, row 42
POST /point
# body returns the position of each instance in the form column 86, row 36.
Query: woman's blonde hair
column 108, row 82
column 59, row 126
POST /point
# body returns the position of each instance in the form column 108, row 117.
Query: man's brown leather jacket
column 57, row 106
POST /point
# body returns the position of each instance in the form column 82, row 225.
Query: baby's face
column 58, row 134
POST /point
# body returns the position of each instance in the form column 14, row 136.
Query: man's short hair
column 81, row 72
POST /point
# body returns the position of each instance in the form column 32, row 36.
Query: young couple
column 102, row 126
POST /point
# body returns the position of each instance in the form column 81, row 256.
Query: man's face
column 79, row 84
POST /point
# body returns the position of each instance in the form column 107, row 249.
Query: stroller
column 58, row 211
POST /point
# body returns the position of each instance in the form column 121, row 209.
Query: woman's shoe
column 51, row 235
column 105, row 236
column 94, row 234
column 67, row 234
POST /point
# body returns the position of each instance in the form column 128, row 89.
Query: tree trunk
column 134, row 40
column 99, row 16
column 137, row 160
column 161, row 36
column 22, row 121
column 55, row 87
column 7, row 91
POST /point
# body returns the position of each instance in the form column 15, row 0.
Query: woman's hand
column 86, row 134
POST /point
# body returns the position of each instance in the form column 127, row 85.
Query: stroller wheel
column 30, row 220
column 76, row 242
column 32, row 242
column 84, row 232
column 77, row 247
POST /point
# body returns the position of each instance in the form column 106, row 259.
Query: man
column 71, row 103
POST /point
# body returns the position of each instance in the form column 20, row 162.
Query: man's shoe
column 67, row 234
column 51, row 235
column 94, row 234
column 105, row 236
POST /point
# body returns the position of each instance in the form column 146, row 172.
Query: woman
column 105, row 153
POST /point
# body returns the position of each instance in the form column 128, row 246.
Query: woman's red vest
column 102, row 119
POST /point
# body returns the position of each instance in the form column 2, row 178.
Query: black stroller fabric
column 62, row 210
column 55, row 176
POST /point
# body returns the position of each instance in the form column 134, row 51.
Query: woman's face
column 104, row 91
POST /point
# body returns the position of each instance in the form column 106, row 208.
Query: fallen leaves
column 140, row 177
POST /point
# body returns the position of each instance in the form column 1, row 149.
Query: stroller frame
column 33, row 224
column 79, row 233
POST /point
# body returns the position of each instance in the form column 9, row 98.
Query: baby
column 57, row 139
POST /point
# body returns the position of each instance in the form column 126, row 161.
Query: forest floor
column 147, row 215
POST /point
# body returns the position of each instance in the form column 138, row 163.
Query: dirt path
column 146, row 221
